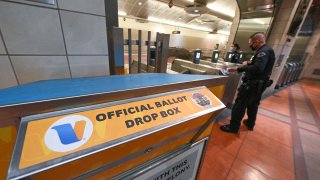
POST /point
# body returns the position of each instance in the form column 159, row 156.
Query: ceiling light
column 195, row 10
column 121, row 13
column 140, row 3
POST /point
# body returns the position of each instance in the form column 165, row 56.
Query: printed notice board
column 183, row 166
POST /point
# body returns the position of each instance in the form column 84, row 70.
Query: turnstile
column 288, row 69
column 299, row 70
column 215, row 56
column 197, row 54
column 292, row 72
column 282, row 76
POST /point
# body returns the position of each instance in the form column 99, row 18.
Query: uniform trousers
column 247, row 99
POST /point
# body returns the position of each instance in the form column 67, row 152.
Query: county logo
column 68, row 133
column 201, row 100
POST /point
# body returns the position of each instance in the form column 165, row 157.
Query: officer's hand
column 245, row 62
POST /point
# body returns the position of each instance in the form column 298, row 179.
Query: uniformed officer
column 235, row 57
column 255, row 80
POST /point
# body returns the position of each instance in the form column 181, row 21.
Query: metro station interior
column 138, row 89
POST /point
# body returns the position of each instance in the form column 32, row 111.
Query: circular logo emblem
column 68, row 133
column 201, row 100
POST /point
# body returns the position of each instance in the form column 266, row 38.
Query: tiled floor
column 285, row 143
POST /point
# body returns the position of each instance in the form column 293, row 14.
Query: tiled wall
column 2, row 50
column 39, row 42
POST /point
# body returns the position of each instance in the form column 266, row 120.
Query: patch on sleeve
column 261, row 54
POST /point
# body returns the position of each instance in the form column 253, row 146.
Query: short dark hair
column 254, row 34
column 258, row 36
column 236, row 46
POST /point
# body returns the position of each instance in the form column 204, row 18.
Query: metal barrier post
column 162, row 46
column 116, row 50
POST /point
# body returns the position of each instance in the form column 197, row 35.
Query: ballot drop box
column 142, row 126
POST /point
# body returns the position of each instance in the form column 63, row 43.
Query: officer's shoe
column 227, row 128
column 245, row 122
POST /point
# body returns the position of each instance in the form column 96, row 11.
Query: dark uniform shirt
column 235, row 57
column 260, row 68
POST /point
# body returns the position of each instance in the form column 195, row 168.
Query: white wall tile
column 2, row 49
column 36, row 3
column 35, row 68
column 7, row 78
column 86, row 66
column 31, row 30
column 84, row 34
column 92, row 6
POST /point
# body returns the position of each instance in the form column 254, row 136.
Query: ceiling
column 212, row 15
column 182, row 12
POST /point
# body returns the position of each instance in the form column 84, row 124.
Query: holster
column 262, row 85
column 258, row 85
column 269, row 83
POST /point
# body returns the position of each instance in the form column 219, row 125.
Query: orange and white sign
column 53, row 137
